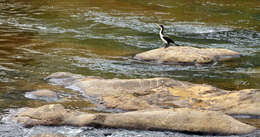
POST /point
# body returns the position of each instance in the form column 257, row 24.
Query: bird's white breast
column 161, row 36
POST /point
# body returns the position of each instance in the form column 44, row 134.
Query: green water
column 101, row 37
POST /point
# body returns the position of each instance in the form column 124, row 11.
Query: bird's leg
column 166, row 45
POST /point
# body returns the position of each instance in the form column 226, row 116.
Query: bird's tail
column 175, row 43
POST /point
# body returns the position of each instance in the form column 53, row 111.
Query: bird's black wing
column 169, row 40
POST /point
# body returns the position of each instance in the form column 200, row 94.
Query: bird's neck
column 161, row 31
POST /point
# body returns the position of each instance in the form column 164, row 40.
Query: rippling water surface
column 101, row 37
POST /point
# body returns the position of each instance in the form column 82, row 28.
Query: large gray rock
column 185, row 54
column 181, row 119
column 154, row 93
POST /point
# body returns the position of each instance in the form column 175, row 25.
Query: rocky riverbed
column 146, row 104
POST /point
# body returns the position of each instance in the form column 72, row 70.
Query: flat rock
column 43, row 94
column 181, row 119
column 154, row 93
column 186, row 54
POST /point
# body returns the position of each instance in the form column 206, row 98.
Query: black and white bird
column 165, row 38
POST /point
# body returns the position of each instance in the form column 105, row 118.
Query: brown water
column 100, row 38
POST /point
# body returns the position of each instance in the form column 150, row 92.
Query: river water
column 101, row 37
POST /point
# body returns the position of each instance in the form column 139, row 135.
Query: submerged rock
column 183, row 54
column 44, row 94
column 181, row 119
column 154, row 93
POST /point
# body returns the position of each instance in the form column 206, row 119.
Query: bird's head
column 160, row 26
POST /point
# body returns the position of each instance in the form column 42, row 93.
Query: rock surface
column 154, row 93
column 43, row 94
column 185, row 54
column 181, row 119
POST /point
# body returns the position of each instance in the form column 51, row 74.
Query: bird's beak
column 157, row 25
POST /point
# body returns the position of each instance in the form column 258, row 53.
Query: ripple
column 196, row 27
column 5, row 68
column 129, row 29
column 123, row 22
column 130, row 67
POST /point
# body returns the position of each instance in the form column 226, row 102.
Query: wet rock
column 54, row 114
column 139, row 94
column 63, row 78
column 181, row 119
column 49, row 135
column 66, row 78
column 44, row 94
column 183, row 54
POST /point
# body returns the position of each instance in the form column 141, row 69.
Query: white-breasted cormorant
column 165, row 38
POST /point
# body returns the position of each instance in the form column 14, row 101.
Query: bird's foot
column 166, row 46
